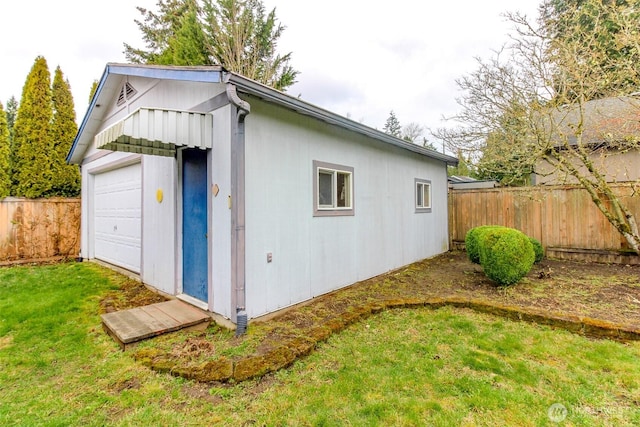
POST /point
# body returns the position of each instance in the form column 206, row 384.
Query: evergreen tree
column 597, row 30
column 464, row 167
column 187, row 45
column 12, row 112
column 392, row 126
column 243, row 38
column 31, row 170
column 66, row 178
column 5, row 151
column 237, row 34
column 93, row 90
column 158, row 29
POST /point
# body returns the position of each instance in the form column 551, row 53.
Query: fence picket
column 39, row 229
column 563, row 218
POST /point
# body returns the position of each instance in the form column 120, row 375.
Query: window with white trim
column 333, row 189
column 423, row 195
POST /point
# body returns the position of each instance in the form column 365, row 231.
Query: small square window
column 333, row 189
column 423, row 195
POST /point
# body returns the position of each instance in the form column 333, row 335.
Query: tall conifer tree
column 5, row 151
column 93, row 90
column 32, row 167
column 243, row 37
column 158, row 28
column 238, row 34
column 392, row 126
column 66, row 178
column 12, row 112
column 187, row 46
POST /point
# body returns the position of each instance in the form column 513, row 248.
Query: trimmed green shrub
column 506, row 254
column 538, row 250
column 472, row 241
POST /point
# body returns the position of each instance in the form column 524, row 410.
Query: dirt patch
column 587, row 298
column 599, row 291
column 201, row 391
column 128, row 384
column 129, row 294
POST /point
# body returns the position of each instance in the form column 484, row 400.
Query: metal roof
column 259, row 90
column 157, row 132
column 215, row 74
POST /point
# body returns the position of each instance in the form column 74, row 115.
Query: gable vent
column 126, row 93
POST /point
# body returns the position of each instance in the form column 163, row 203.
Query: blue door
column 194, row 224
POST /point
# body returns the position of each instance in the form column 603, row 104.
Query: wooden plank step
column 128, row 327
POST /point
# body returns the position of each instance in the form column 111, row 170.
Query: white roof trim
column 157, row 132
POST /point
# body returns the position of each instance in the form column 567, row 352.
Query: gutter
column 240, row 109
column 269, row 94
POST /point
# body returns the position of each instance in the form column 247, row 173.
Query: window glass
column 426, row 199
column 325, row 188
column 333, row 189
column 423, row 195
column 344, row 190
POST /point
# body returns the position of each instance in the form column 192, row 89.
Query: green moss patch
column 449, row 280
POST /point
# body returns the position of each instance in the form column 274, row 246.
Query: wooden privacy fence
column 39, row 229
column 563, row 218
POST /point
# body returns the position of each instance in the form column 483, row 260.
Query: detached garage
column 242, row 200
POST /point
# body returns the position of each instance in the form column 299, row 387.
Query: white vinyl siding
column 313, row 254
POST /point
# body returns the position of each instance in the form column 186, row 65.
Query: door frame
column 205, row 305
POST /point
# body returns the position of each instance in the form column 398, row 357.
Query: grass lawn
column 403, row 367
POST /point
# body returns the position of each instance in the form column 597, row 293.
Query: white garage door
column 117, row 213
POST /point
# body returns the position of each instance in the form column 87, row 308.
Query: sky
column 358, row 58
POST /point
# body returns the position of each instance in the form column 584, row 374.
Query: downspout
column 239, row 111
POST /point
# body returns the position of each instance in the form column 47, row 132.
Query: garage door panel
column 116, row 226
column 117, row 217
column 124, row 225
column 117, row 252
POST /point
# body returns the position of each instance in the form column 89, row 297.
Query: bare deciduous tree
column 412, row 132
column 543, row 104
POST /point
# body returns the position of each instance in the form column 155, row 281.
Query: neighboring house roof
column 466, row 182
column 461, row 178
column 109, row 86
column 604, row 120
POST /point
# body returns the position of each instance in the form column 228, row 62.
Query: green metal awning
column 157, row 132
